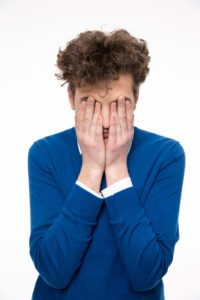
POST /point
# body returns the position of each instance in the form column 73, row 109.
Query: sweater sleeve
column 61, row 229
column 87, row 188
column 146, row 233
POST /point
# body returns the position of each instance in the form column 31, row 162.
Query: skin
column 97, row 112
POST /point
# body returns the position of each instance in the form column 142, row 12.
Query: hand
column 120, row 133
column 89, row 131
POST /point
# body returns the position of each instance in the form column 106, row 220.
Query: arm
column 61, row 229
column 146, row 233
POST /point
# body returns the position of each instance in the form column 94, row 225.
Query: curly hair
column 94, row 57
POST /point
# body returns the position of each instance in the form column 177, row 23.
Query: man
column 105, row 194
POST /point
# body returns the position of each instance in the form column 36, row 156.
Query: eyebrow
column 86, row 97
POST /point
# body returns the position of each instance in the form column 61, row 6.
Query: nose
column 105, row 111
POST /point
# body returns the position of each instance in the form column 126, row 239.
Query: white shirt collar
column 79, row 148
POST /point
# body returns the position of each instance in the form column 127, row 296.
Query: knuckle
column 93, row 125
column 130, row 117
column 123, row 117
column 87, row 117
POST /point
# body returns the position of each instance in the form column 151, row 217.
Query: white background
column 34, row 105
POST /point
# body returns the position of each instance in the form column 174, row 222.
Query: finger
column 99, row 128
column 122, row 114
column 130, row 116
column 79, row 115
column 118, row 126
column 89, row 110
column 96, row 124
column 112, row 137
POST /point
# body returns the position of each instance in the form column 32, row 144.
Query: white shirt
column 111, row 189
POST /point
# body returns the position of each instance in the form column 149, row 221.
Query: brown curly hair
column 95, row 56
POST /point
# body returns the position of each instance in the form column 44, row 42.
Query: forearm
column 116, row 173
column 145, row 255
column 58, row 252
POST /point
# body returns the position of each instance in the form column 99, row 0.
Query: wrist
column 92, row 170
column 115, row 173
column 91, row 177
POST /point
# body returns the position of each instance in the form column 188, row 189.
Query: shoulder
column 152, row 143
column 51, row 143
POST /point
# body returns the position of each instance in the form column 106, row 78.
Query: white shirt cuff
column 117, row 187
column 88, row 189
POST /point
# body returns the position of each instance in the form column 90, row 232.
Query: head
column 105, row 66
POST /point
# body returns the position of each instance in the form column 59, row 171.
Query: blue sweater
column 114, row 248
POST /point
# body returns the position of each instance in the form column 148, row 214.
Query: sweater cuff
column 123, row 204
column 87, row 188
column 83, row 204
column 117, row 187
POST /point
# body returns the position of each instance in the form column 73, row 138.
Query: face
column 121, row 87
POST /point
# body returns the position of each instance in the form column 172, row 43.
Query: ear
column 71, row 98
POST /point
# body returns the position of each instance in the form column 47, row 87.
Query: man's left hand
column 121, row 134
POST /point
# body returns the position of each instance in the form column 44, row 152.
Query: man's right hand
column 89, row 131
